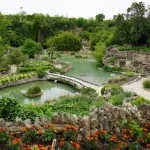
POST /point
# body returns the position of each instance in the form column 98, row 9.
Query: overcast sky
column 69, row 8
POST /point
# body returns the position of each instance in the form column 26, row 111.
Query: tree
column 136, row 13
column 99, row 52
column 100, row 17
column 16, row 57
column 31, row 47
column 65, row 41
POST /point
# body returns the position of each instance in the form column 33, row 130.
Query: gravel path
column 137, row 87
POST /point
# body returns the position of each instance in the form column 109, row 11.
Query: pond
column 85, row 69
column 50, row 91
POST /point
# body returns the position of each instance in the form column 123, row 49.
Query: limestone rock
column 2, row 122
column 28, row 123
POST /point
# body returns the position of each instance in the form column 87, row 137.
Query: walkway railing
column 71, row 78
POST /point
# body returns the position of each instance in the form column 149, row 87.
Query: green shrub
column 41, row 73
column 65, row 41
column 78, row 56
column 72, row 53
column 112, row 69
column 78, row 105
column 34, row 63
column 48, row 135
column 30, row 135
column 129, row 73
column 117, row 100
column 9, row 108
column 139, row 101
column 88, row 91
column 34, row 90
column 56, row 70
column 45, row 57
column 3, row 69
column 134, row 48
column 115, row 89
column 23, row 69
column 146, row 84
column 30, row 111
column 4, row 135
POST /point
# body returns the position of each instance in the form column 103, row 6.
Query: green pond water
column 50, row 91
column 82, row 68
column 85, row 69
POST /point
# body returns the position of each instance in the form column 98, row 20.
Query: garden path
column 137, row 87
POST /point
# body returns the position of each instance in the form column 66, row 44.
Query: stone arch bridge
column 73, row 81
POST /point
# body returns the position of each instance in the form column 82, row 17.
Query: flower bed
column 33, row 138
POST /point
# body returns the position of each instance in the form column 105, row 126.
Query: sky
column 68, row 8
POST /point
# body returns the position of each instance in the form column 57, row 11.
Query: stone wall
column 106, row 118
column 135, row 60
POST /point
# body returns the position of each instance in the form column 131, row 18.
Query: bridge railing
column 73, row 81
column 79, row 79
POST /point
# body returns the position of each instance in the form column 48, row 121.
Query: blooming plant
column 14, row 145
column 49, row 134
column 70, row 133
column 91, row 142
column 39, row 147
column 29, row 134
column 4, row 135
column 66, row 145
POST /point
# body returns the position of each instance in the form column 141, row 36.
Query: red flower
column 61, row 143
column 113, row 138
column 148, row 145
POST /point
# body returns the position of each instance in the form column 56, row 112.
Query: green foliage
column 3, row 69
column 85, row 35
column 35, row 63
column 30, row 47
column 134, row 48
column 99, row 52
column 88, row 91
column 112, row 69
column 30, row 111
column 56, row 70
column 29, row 135
column 35, row 89
column 132, row 27
column 100, row 17
column 41, row 73
column 9, row 108
column 70, row 133
column 23, row 69
column 48, row 135
column 4, row 135
column 118, row 78
column 72, row 53
column 115, row 89
column 13, row 78
column 117, row 100
column 65, row 41
column 139, row 101
column 77, row 104
column 16, row 57
column 146, row 84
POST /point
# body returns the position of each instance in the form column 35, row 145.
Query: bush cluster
column 35, row 89
column 146, row 84
column 112, row 69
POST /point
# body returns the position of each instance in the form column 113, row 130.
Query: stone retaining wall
column 135, row 60
column 106, row 118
